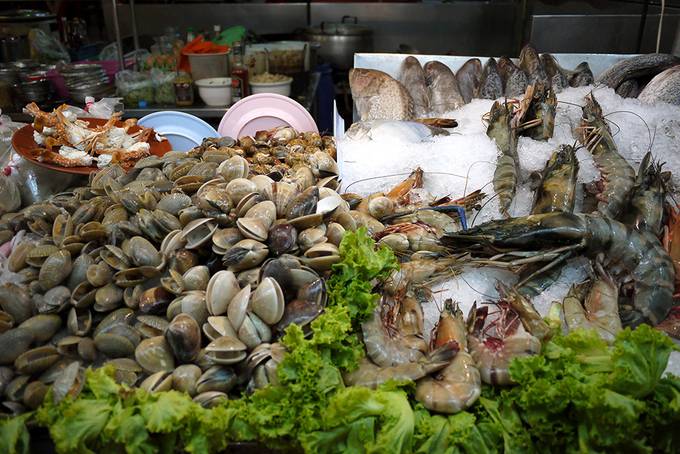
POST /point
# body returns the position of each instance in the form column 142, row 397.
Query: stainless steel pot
column 339, row 41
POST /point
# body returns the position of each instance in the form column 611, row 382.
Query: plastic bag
column 47, row 49
column 34, row 183
column 135, row 88
column 10, row 196
column 164, row 87
column 104, row 108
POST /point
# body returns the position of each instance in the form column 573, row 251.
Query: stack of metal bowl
column 33, row 86
column 86, row 79
column 8, row 79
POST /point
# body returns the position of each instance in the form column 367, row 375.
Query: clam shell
column 184, row 337
column 154, row 355
column 185, row 378
column 236, row 311
column 221, row 289
column 268, row 301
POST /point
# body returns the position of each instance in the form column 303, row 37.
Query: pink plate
column 265, row 111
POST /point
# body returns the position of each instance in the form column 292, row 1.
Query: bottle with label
column 190, row 34
column 239, row 73
column 184, row 89
column 217, row 31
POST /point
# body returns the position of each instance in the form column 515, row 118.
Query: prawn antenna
column 649, row 130
column 570, row 103
column 482, row 207
column 474, row 289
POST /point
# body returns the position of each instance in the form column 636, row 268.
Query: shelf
column 199, row 111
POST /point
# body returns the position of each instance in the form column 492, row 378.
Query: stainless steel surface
column 580, row 33
column 262, row 18
column 671, row 22
column 116, row 27
column 459, row 27
column 201, row 111
column 133, row 21
column 338, row 42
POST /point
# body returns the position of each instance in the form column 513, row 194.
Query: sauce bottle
column 239, row 74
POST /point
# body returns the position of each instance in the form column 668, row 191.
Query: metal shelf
column 199, row 111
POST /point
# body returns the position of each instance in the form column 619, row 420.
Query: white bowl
column 215, row 91
column 281, row 88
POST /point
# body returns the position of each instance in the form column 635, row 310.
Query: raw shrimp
column 494, row 353
column 370, row 375
column 600, row 309
column 646, row 199
column 400, row 193
column 625, row 249
column 418, row 236
column 459, row 384
column 385, row 346
column 557, row 189
column 618, row 177
column 536, row 116
column 422, row 271
column 410, row 316
column 671, row 243
column 507, row 167
column 531, row 319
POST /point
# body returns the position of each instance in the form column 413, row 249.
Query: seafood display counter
column 484, row 262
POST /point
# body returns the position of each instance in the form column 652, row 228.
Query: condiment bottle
column 184, row 89
column 239, row 74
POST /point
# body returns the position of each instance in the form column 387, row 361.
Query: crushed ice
column 465, row 161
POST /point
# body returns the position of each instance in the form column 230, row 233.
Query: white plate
column 183, row 131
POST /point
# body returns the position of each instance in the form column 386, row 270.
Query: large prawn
column 385, row 344
column 494, row 346
column 556, row 192
column 594, row 305
column 458, row 385
column 626, row 250
column 507, row 168
column 618, row 177
column 645, row 210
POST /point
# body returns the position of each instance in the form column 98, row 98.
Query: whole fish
column 514, row 80
column 468, row 78
column 378, row 96
column 412, row 77
column 637, row 67
column 443, row 88
column 531, row 64
column 557, row 76
column 665, row 87
column 404, row 131
column 581, row 76
column 629, row 88
column 490, row 84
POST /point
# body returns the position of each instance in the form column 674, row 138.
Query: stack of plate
column 33, row 85
column 86, row 79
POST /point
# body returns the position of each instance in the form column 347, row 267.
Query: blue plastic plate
column 183, row 131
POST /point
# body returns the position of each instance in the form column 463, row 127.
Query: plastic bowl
column 215, row 91
column 280, row 88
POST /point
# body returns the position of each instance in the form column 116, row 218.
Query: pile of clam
column 180, row 274
column 273, row 151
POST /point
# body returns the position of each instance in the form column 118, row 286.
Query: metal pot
column 339, row 41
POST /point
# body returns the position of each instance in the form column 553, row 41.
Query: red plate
column 23, row 143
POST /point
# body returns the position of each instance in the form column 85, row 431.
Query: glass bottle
column 239, row 74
